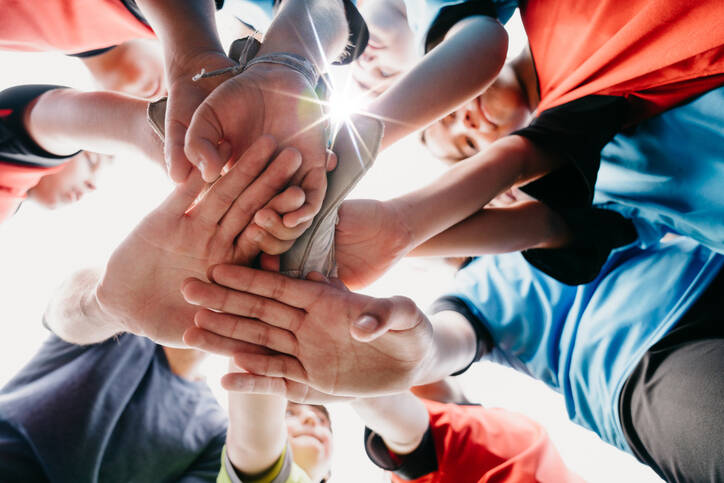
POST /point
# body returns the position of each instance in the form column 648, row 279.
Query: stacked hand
column 180, row 239
column 325, row 339
column 370, row 237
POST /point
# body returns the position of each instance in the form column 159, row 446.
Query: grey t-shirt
column 107, row 412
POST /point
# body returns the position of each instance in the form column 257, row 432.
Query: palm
column 369, row 239
column 263, row 100
column 142, row 282
column 145, row 272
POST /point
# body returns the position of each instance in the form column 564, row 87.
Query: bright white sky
column 39, row 249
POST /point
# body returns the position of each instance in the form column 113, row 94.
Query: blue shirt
column 583, row 341
column 108, row 412
column 668, row 172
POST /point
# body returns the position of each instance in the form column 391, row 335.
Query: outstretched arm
column 400, row 419
column 63, row 121
column 458, row 69
column 257, row 432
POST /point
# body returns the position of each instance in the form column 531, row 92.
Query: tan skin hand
column 140, row 286
column 265, row 99
column 310, row 326
column 184, row 97
column 370, row 237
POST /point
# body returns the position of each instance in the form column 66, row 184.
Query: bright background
column 39, row 249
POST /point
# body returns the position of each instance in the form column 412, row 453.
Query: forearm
column 469, row 185
column 499, row 230
column 63, row 121
column 314, row 29
column 400, row 419
column 74, row 313
column 185, row 29
column 454, row 72
column 257, row 431
column 454, row 345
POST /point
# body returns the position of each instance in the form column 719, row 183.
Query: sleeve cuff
column 417, row 464
column 483, row 339
column 278, row 473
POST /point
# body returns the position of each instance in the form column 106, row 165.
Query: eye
column 470, row 143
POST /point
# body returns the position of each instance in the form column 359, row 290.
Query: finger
column 271, row 182
column 202, row 142
column 270, row 263
column 255, row 238
column 314, row 185
column 247, row 330
column 215, row 344
column 277, row 386
column 226, row 189
column 220, row 298
column 177, row 165
column 275, row 365
column 331, row 160
column 184, row 195
column 273, row 225
column 384, row 315
column 292, row 292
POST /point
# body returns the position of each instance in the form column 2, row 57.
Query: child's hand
column 323, row 336
column 370, row 237
column 268, row 230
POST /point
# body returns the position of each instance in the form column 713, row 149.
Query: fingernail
column 202, row 167
column 367, row 323
column 257, row 236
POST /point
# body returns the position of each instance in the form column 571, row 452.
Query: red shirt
column 657, row 53
column 474, row 444
column 15, row 181
column 69, row 26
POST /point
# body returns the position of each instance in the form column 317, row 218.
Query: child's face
column 71, row 183
column 498, row 111
column 391, row 48
column 310, row 437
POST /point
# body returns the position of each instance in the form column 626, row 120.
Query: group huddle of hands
column 184, row 276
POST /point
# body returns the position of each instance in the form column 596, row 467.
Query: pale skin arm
column 465, row 63
column 74, row 313
column 400, row 419
column 471, row 184
column 63, row 121
column 499, row 230
column 257, row 430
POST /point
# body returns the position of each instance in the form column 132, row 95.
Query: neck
column 525, row 72
column 185, row 362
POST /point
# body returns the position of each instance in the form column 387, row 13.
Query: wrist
column 453, row 347
column 410, row 226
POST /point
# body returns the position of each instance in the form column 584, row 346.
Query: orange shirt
column 68, row 26
column 657, row 53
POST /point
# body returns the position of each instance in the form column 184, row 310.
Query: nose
column 470, row 117
column 308, row 418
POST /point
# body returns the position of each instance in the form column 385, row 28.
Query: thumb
column 384, row 315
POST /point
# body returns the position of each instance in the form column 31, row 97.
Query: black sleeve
column 576, row 133
column 16, row 146
column 483, row 339
column 449, row 15
column 92, row 53
column 417, row 464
